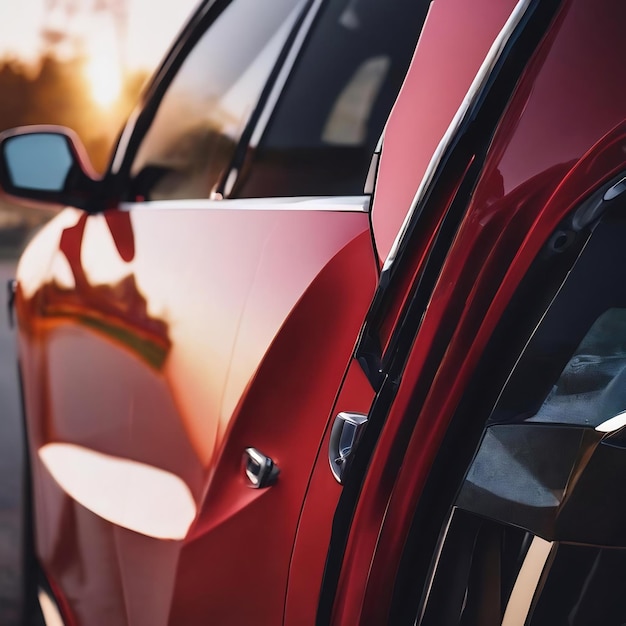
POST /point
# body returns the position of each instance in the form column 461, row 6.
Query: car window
column 321, row 136
column 570, row 370
column 204, row 111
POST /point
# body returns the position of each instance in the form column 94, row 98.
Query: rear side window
column 325, row 125
column 200, row 119
column 331, row 114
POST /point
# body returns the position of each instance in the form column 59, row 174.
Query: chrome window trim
column 528, row 582
column 340, row 204
column 471, row 97
column 372, row 172
column 434, row 568
column 124, row 141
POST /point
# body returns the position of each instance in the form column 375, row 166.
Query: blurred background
column 78, row 63
column 82, row 64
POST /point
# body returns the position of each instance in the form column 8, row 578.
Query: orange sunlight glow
column 105, row 79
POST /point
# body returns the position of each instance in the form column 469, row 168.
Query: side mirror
column 47, row 164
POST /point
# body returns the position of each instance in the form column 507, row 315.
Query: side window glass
column 591, row 389
column 570, row 370
column 204, row 111
column 323, row 132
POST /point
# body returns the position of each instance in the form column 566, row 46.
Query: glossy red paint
column 314, row 530
column 562, row 136
column 178, row 366
column 408, row 274
column 451, row 49
column 285, row 413
column 186, row 348
column 158, row 340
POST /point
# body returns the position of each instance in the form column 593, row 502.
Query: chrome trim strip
column 613, row 424
column 470, row 99
column 49, row 609
column 434, row 567
column 124, row 140
column 372, row 172
column 527, row 583
column 285, row 72
column 343, row 204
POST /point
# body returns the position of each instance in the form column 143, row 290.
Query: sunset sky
column 151, row 26
column 90, row 28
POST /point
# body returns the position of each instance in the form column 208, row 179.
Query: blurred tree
column 57, row 94
column 60, row 94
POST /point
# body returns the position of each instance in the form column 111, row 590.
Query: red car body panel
column 181, row 376
column 136, row 440
column 160, row 339
column 451, row 49
column 561, row 137
column 314, row 531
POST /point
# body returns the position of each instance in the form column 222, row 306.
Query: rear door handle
column 344, row 437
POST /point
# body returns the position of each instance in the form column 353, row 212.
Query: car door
column 488, row 497
column 426, row 107
column 181, row 350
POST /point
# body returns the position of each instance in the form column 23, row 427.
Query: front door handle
column 260, row 470
column 344, row 437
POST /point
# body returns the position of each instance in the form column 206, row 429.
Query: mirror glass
column 40, row 161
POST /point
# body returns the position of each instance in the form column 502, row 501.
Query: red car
column 247, row 405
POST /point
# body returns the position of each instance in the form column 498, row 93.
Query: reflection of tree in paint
column 118, row 311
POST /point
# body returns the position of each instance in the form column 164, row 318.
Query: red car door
column 148, row 386
column 458, row 36
column 181, row 352
column 490, row 495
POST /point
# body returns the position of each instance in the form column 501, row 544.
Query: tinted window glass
column 322, row 135
column 571, row 368
column 200, row 119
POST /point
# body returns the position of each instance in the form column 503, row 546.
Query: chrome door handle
column 344, row 437
column 260, row 470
